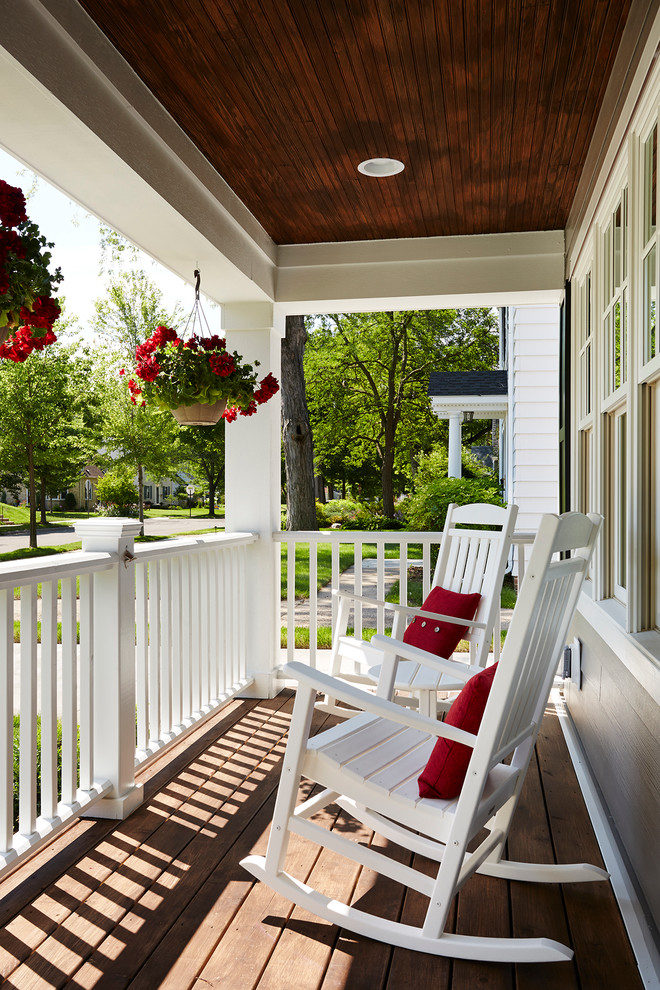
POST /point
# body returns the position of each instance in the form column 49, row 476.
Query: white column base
column 117, row 808
column 265, row 684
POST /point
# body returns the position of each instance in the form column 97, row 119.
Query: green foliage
column 204, row 450
column 367, row 389
column 48, row 417
column 130, row 311
column 349, row 514
column 426, row 508
column 117, row 488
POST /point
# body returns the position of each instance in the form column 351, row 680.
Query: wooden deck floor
column 161, row 901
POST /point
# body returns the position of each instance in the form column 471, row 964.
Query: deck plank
column 602, row 951
column 160, row 900
column 537, row 908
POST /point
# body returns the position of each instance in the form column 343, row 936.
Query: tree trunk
column 44, row 520
column 387, row 482
column 140, row 485
column 296, row 430
column 211, row 482
column 387, row 468
column 32, row 488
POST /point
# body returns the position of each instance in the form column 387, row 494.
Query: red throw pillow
column 443, row 775
column 442, row 638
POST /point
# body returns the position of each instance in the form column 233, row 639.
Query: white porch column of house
column 454, row 467
column 253, row 490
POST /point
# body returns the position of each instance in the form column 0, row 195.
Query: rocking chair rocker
column 370, row 766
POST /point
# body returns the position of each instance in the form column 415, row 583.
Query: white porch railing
column 152, row 640
column 304, row 611
column 397, row 569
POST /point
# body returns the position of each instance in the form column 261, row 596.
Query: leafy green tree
column 117, row 488
column 367, row 379
column 203, row 448
column 141, row 437
column 48, row 426
column 130, row 312
column 137, row 437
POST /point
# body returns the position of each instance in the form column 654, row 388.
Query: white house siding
column 533, row 360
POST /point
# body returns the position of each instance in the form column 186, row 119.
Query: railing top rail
column 14, row 573
column 192, row 544
column 355, row 536
column 374, row 536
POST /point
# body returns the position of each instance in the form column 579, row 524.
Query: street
column 56, row 535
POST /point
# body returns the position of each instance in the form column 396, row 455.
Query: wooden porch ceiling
column 490, row 105
column 161, row 901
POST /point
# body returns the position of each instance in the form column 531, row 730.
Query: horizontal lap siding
column 534, row 358
column 619, row 725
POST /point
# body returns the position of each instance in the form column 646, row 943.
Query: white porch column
column 454, row 467
column 114, row 664
column 253, row 489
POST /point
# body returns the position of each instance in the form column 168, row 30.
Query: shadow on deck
column 160, row 900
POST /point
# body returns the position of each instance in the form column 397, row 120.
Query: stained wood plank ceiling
column 490, row 104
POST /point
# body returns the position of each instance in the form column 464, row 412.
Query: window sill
column 638, row 652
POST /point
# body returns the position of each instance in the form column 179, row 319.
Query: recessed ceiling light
column 381, row 167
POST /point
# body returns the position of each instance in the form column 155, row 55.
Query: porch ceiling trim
column 433, row 272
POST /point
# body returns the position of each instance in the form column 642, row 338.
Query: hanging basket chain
column 197, row 315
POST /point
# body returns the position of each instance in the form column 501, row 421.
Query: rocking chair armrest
column 405, row 651
column 410, row 610
column 354, row 695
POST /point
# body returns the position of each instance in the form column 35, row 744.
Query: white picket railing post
column 114, row 664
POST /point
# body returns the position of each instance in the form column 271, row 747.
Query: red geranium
column 26, row 283
column 177, row 372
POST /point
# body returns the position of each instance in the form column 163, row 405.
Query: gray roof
column 453, row 383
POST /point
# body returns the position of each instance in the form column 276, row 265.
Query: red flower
column 230, row 414
column 44, row 313
column 269, row 386
column 162, row 336
column 251, row 409
column 135, row 391
column 148, row 369
column 222, row 364
column 12, row 205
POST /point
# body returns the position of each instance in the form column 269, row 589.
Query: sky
column 77, row 248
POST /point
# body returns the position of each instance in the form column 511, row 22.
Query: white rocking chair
column 370, row 765
column 469, row 560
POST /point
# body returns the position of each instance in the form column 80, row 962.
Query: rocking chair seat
column 416, row 677
column 377, row 763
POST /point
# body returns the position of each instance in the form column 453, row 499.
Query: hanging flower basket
column 199, row 414
column 195, row 377
column 28, row 310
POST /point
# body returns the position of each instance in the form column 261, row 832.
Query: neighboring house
column 85, row 488
column 523, row 398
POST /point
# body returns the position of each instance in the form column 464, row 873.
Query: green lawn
column 507, row 596
column 324, row 638
column 324, row 562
